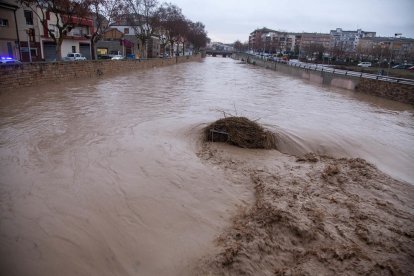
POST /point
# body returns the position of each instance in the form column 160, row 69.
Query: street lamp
column 391, row 50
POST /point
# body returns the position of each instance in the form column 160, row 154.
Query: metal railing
column 325, row 68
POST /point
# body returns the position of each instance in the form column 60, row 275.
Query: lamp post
column 391, row 50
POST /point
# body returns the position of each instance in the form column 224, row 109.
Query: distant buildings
column 337, row 43
column 386, row 48
column 218, row 46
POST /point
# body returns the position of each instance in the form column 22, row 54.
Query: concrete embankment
column 31, row 74
column 394, row 91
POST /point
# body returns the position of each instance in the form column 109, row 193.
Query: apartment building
column 312, row 43
column 257, row 41
column 347, row 41
column 272, row 42
column 386, row 48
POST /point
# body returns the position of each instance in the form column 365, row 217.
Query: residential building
column 29, row 38
column 76, row 40
column 314, row 43
column 114, row 42
column 153, row 47
column 256, row 42
column 9, row 36
column 29, row 35
column 291, row 41
column 346, row 42
column 128, row 43
column 273, row 42
column 386, row 48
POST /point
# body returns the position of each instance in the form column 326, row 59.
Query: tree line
column 148, row 18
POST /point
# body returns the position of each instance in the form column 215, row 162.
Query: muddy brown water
column 101, row 177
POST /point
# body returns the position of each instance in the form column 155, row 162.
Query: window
column 54, row 29
column 73, row 49
column 126, row 30
column 4, row 22
column 26, row 50
column 31, row 33
column 29, row 17
column 102, row 51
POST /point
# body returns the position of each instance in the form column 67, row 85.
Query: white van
column 74, row 56
column 365, row 64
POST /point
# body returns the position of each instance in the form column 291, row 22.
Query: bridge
column 215, row 53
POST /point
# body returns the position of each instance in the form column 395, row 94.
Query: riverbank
column 313, row 215
column 38, row 73
column 376, row 87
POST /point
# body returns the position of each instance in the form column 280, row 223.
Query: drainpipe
column 17, row 33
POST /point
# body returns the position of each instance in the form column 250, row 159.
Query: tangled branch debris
column 241, row 132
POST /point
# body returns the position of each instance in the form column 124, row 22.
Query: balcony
column 79, row 32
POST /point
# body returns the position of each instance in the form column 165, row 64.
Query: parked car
column 74, row 56
column 118, row 57
column 411, row 68
column 9, row 60
column 402, row 66
column 365, row 64
column 104, row 57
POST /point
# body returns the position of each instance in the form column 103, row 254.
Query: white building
column 347, row 41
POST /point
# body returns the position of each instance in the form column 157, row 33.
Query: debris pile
column 241, row 132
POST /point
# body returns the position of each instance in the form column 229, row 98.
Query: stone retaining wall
column 394, row 91
column 31, row 74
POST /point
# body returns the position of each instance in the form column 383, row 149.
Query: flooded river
column 101, row 177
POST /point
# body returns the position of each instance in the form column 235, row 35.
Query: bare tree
column 314, row 50
column 170, row 19
column 65, row 14
column 105, row 13
column 142, row 17
column 183, row 33
column 339, row 50
column 197, row 35
column 238, row 46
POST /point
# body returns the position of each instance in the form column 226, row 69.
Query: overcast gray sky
column 229, row 20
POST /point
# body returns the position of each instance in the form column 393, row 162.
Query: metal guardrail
column 324, row 68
